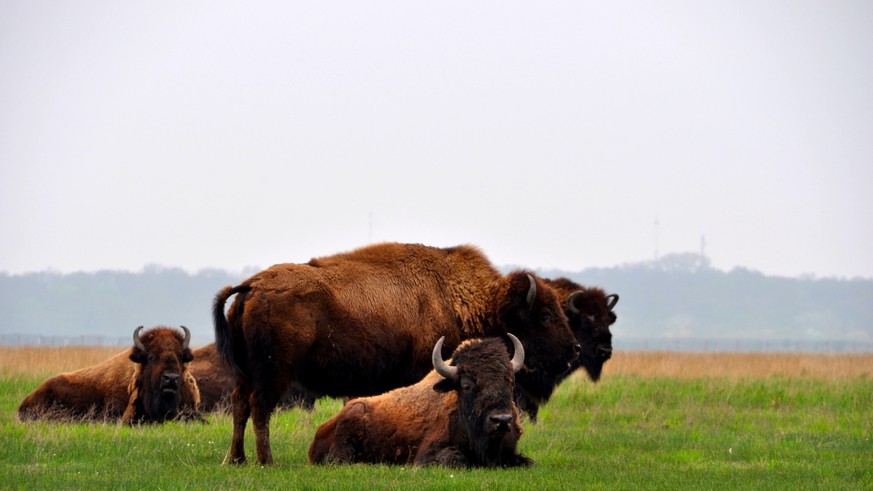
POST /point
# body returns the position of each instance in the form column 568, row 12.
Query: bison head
column 161, row 382
column 481, row 374
column 531, row 309
column 590, row 313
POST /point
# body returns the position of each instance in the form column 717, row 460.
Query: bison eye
column 545, row 318
column 467, row 384
column 152, row 357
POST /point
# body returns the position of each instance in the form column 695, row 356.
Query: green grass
column 627, row 432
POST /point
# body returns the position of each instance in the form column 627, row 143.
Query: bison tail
column 231, row 347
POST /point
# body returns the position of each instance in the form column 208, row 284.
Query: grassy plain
column 655, row 421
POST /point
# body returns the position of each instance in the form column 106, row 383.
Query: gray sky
column 551, row 134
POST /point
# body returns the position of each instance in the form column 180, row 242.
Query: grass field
column 655, row 421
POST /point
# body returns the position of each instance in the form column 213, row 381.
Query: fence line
column 742, row 345
column 83, row 340
column 619, row 344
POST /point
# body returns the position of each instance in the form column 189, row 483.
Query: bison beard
column 459, row 415
column 158, row 403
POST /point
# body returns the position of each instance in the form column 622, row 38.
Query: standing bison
column 461, row 414
column 147, row 383
column 589, row 311
column 364, row 322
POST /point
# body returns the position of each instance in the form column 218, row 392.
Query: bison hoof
column 235, row 460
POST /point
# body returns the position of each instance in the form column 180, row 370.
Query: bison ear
column 187, row 355
column 445, row 385
column 138, row 356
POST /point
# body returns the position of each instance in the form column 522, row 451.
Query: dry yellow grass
column 740, row 365
column 52, row 360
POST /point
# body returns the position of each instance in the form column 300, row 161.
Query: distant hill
column 679, row 297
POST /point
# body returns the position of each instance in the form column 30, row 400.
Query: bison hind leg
column 241, row 411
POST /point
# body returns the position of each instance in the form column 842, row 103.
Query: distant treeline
column 680, row 296
column 110, row 303
column 677, row 297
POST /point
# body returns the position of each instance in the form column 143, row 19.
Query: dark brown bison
column 364, row 322
column 461, row 414
column 147, row 383
column 589, row 311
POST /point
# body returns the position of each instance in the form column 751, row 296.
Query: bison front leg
column 446, row 456
column 518, row 460
column 241, row 410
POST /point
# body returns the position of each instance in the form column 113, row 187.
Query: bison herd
column 372, row 326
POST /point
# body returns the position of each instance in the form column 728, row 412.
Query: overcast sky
column 551, row 134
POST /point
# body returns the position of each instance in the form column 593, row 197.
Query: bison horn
column 611, row 300
column 441, row 367
column 532, row 292
column 187, row 337
column 518, row 358
column 136, row 340
column 571, row 301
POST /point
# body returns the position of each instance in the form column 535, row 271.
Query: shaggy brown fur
column 364, row 322
column 471, row 421
column 133, row 386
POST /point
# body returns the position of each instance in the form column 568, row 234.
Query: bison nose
column 500, row 422
column 170, row 379
column 577, row 349
column 605, row 351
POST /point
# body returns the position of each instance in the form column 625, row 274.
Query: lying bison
column 589, row 311
column 147, row 383
column 364, row 322
column 461, row 414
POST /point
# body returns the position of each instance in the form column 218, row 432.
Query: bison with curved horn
column 461, row 414
column 364, row 322
column 149, row 382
